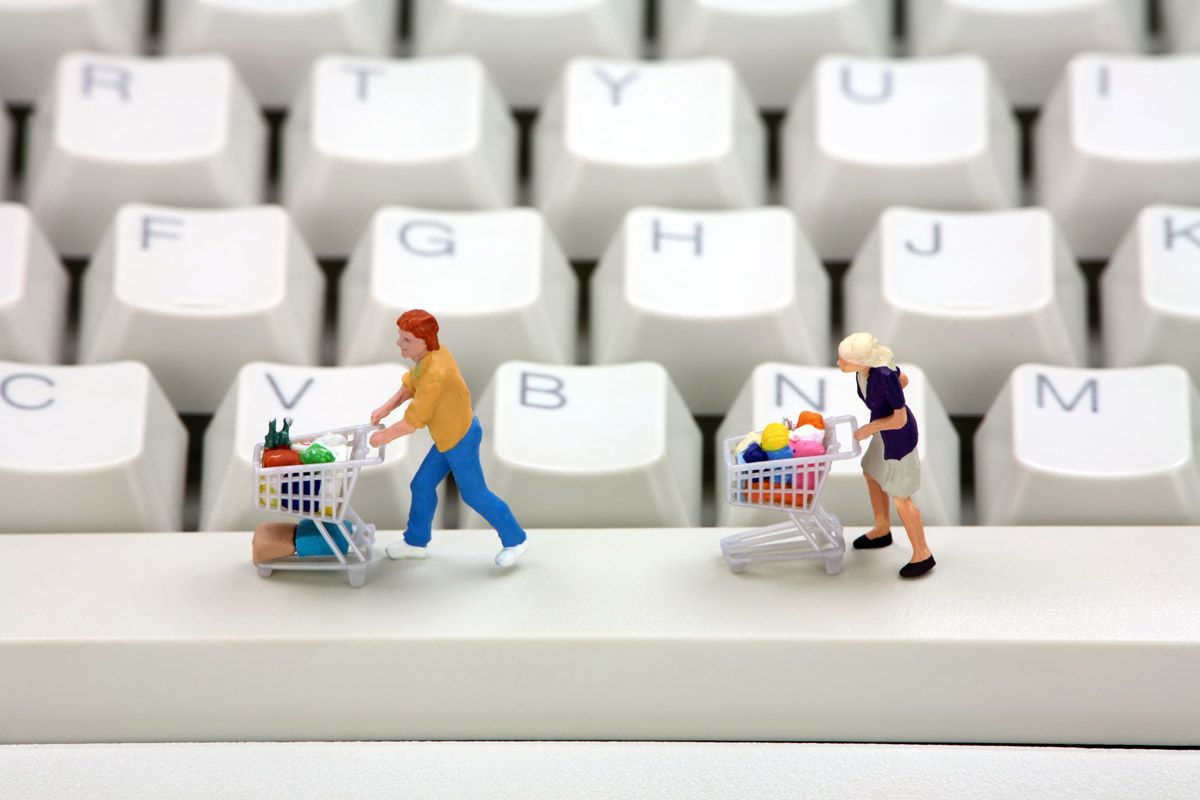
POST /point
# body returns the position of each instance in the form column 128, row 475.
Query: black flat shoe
column 917, row 568
column 863, row 543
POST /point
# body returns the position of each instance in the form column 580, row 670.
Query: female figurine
column 890, row 465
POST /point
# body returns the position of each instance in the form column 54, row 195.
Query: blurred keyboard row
column 773, row 43
column 100, row 448
column 862, row 134
column 968, row 296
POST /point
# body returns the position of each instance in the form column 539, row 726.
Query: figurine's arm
column 391, row 433
column 391, row 404
column 898, row 419
column 903, row 381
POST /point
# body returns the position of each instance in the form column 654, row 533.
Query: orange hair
column 420, row 324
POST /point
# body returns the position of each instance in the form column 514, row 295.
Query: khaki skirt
column 898, row 478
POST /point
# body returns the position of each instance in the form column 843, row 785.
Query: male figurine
column 441, row 401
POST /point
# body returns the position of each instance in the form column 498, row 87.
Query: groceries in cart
column 311, row 477
column 783, row 441
column 786, row 473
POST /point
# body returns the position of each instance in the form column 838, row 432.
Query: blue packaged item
column 753, row 454
column 301, row 488
column 310, row 542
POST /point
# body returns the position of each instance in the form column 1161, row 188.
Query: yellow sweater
column 441, row 398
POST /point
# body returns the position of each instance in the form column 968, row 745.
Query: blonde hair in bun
column 865, row 350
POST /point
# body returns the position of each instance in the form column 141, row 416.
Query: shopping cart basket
column 321, row 492
column 791, row 485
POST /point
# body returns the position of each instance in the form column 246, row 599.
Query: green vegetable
column 316, row 453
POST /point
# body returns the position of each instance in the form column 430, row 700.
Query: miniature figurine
column 890, row 465
column 441, row 401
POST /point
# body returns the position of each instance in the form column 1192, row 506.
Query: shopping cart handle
column 831, row 426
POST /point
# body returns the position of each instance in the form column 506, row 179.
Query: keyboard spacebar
column 1020, row 635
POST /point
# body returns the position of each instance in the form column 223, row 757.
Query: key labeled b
column 590, row 447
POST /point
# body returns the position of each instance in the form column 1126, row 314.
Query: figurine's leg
column 879, row 508
column 914, row 526
column 424, row 485
column 468, row 474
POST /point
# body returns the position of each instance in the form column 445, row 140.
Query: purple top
column 884, row 397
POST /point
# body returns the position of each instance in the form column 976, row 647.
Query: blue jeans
column 463, row 461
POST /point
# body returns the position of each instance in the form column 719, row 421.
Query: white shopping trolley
column 321, row 492
column 792, row 485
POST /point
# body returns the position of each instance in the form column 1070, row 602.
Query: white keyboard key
column 865, row 134
column 522, row 304
column 194, row 294
column 594, row 770
column 6, row 137
column 525, row 44
column 1041, row 635
column 369, row 133
column 1181, row 22
column 33, row 290
column 1066, row 446
column 708, row 296
column 1150, row 292
column 34, row 33
column 317, row 399
column 1026, row 42
column 774, row 43
column 273, row 44
column 775, row 391
column 617, row 134
column 93, row 448
column 1117, row 134
column 970, row 296
column 595, row 447
column 119, row 130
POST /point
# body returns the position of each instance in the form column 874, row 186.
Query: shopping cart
column 792, row 485
column 321, row 492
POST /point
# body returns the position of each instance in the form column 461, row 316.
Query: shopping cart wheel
column 357, row 575
column 265, row 571
column 833, row 565
column 737, row 567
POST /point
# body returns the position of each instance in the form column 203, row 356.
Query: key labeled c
column 6, row 391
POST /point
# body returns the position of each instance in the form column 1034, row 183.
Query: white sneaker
column 509, row 555
column 405, row 550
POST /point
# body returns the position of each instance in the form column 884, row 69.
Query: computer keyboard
column 643, row 226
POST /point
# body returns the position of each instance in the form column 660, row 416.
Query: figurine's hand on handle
column 377, row 416
column 865, row 432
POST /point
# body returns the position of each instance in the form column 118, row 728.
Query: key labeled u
column 884, row 85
